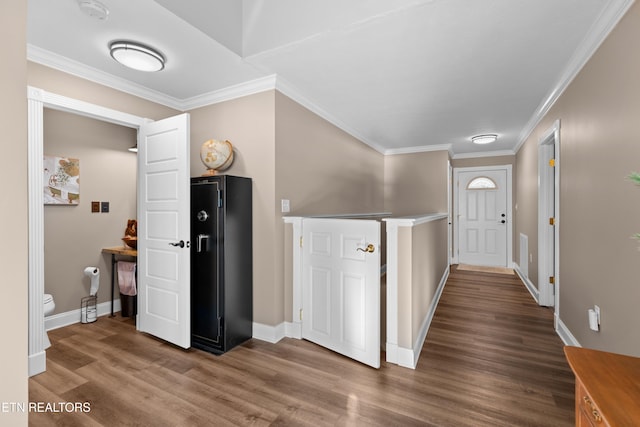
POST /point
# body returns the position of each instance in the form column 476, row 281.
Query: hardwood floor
column 491, row 358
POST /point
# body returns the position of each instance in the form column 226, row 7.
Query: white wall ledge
column 411, row 220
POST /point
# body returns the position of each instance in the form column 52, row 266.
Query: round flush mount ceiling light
column 136, row 56
column 484, row 139
column 94, row 9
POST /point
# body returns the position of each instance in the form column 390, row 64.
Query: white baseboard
column 407, row 357
column 293, row 330
column 268, row 333
column 37, row 363
column 527, row 283
column 67, row 318
column 565, row 334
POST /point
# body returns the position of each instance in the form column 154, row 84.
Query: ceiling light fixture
column 484, row 139
column 136, row 56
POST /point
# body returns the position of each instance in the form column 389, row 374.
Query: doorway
column 37, row 100
column 482, row 216
column 549, row 217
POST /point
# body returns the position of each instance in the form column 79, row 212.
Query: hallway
column 491, row 358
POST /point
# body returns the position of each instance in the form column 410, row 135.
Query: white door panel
column 341, row 287
column 483, row 219
column 163, row 222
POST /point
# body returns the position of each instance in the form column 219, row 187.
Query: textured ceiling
column 401, row 75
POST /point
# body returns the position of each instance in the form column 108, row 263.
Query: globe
column 216, row 155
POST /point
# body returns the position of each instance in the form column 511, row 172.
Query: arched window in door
column 482, row 183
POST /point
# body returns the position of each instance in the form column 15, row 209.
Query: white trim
column 527, row 282
column 72, row 317
column 417, row 149
column 598, row 32
column 408, row 358
column 293, row 330
column 37, row 356
column 296, row 276
column 410, row 221
column 391, row 345
column 271, row 334
column 37, row 100
column 499, row 153
column 251, row 87
column 510, row 219
column 352, row 215
column 37, row 363
column 549, row 144
column 565, row 334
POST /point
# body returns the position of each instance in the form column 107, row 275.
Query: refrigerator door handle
column 202, row 238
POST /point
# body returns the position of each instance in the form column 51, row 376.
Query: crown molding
column 418, row 149
column 498, row 153
column 75, row 68
column 599, row 31
column 251, row 87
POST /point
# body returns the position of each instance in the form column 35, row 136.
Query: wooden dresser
column 607, row 388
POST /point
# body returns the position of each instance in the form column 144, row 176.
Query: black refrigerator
column 221, row 262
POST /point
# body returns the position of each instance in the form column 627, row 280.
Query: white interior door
column 341, row 286
column 164, row 229
column 482, row 217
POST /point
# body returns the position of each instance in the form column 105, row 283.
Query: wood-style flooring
column 491, row 358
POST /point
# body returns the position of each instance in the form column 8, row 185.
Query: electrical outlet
column 530, row 258
column 105, row 207
column 95, row 207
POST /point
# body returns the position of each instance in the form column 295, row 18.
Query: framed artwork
column 61, row 180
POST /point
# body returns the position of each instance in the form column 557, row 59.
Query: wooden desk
column 607, row 387
column 117, row 251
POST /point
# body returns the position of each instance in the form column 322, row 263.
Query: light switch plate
column 105, row 207
column 95, row 207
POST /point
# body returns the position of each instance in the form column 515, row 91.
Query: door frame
column 456, row 207
column 37, row 101
column 549, row 252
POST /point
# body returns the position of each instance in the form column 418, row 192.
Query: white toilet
column 49, row 308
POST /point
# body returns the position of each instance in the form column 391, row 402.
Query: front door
column 483, row 217
column 341, row 286
column 164, row 230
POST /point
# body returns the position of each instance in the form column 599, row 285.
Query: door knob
column 370, row 248
column 180, row 243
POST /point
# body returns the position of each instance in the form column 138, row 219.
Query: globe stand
column 210, row 172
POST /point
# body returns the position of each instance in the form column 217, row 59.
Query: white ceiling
column 401, row 75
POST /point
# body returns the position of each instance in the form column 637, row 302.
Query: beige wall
column 321, row 170
column 422, row 261
column 73, row 235
column 249, row 123
column 416, row 183
column 60, row 83
column 429, row 263
column 14, row 251
column 599, row 206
